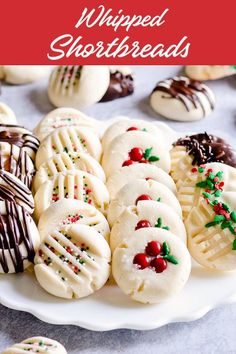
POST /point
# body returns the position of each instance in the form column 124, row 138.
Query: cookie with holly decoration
column 151, row 266
column 72, row 184
column 141, row 189
column 209, row 72
column 146, row 213
column 70, row 140
column 204, row 181
column 73, row 262
column 36, row 345
column 138, row 171
column 135, row 147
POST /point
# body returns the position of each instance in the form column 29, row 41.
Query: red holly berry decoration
column 142, row 223
column 127, row 163
column 153, row 248
column 159, row 264
column 131, row 128
column 136, row 154
column 141, row 260
column 143, row 197
column 144, row 161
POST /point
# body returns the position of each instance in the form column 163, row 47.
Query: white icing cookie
column 151, row 266
column 134, row 147
column 183, row 99
column 69, row 139
column 130, row 192
column 72, row 185
column 78, row 86
column 63, row 117
column 73, row 263
column 63, row 162
column 137, row 171
column 211, row 232
column 146, row 214
column 19, row 238
column 66, row 212
column 7, row 116
column 125, row 125
column 23, row 74
column 189, row 194
column 36, row 345
column 209, row 72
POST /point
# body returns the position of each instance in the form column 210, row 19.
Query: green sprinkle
column 201, row 169
column 234, row 245
column 233, row 216
column 202, row 184
column 219, row 218
column 212, row 223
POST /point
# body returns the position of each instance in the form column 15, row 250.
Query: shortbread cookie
column 214, row 177
column 72, row 185
column 181, row 98
column 17, row 135
column 1, row 72
column 141, row 189
column 36, row 345
column 63, row 213
column 137, row 171
column 121, row 83
column 152, row 265
column 134, row 147
column 146, row 214
column 69, row 139
column 64, row 117
column 67, row 161
column 7, row 116
column 209, row 72
column 78, row 86
column 16, row 161
column 124, row 125
column 198, row 149
column 19, row 237
column 23, row 74
column 73, row 263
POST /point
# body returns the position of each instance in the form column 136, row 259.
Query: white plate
column 110, row 309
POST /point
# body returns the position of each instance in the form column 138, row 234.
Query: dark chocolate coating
column 120, row 86
column 208, row 148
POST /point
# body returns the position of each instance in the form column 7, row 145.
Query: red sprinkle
column 143, row 223
column 153, row 248
column 131, row 128
column 144, row 161
column 159, row 264
column 142, row 197
column 127, row 163
column 141, row 260
column 194, row 170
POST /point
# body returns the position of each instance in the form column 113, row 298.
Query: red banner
column 117, row 32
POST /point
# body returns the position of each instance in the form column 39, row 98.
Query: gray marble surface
column 215, row 332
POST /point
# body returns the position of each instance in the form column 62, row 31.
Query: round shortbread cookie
column 209, row 72
column 63, row 117
column 69, row 139
column 36, row 345
column 134, row 147
column 72, row 185
column 137, row 171
column 64, row 162
column 23, row 74
column 66, row 212
column 7, row 116
column 150, row 189
column 73, row 263
column 124, row 125
column 19, row 238
column 146, row 214
column 182, row 99
column 211, row 232
column 151, row 266
column 190, row 195
column 78, row 86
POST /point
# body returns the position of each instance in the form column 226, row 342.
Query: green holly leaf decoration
column 234, row 245
column 170, row 258
column 202, row 184
column 147, row 153
column 165, row 249
column 153, row 158
column 219, row 218
column 233, row 216
column 233, row 66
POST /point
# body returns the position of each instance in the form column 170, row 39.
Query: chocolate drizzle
column 186, row 91
column 208, row 148
column 120, row 86
column 15, row 231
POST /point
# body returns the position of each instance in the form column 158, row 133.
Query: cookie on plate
column 7, row 116
column 209, row 72
column 141, row 189
column 73, row 262
column 78, row 86
column 146, row 214
column 24, row 74
column 72, row 184
column 64, row 162
column 183, row 99
column 36, row 345
column 152, row 265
